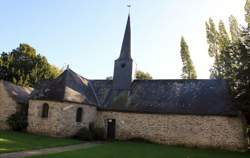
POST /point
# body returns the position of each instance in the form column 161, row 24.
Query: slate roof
column 188, row 97
column 18, row 93
column 194, row 97
column 69, row 87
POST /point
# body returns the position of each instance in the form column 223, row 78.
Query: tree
column 242, row 83
column 140, row 75
column 223, row 37
column 233, row 59
column 247, row 9
column 234, row 28
column 24, row 67
column 212, row 38
column 217, row 42
column 213, row 47
column 188, row 70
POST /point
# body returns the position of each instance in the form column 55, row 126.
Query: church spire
column 124, row 64
column 126, row 44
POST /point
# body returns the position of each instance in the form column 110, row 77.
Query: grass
column 144, row 150
column 17, row 141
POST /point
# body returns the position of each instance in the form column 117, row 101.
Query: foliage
column 234, row 29
column 247, row 9
column 84, row 134
column 242, row 83
column 18, row 141
column 144, row 150
column 18, row 121
column 232, row 58
column 217, row 41
column 97, row 132
column 24, row 67
column 188, row 70
column 140, row 75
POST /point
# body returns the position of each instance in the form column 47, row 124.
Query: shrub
column 91, row 126
column 98, row 133
column 84, row 134
column 17, row 121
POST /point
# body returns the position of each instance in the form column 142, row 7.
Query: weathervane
column 129, row 6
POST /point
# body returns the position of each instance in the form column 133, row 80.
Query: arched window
column 45, row 110
column 79, row 115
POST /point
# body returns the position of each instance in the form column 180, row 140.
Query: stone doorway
column 111, row 129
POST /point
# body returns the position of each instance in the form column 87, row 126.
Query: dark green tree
column 140, row 75
column 213, row 47
column 223, row 37
column 234, row 28
column 242, row 83
column 233, row 60
column 24, row 67
column 218, row 40
column 188, row 70
column 247, row 9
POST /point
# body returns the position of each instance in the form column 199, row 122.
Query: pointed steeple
column 124, row 64
column 126, row 44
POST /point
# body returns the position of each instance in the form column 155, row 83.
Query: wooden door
column 111, row 129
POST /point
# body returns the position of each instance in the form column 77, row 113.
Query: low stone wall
column 185, row 130
column 7, row 107
column 61, row 121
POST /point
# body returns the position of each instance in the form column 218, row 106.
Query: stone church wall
column 8, row 106
column 185, row 130
column 61, row 121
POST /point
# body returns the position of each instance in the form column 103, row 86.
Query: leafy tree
column 218, row 40
column 24, row 67
column 223, row 37
column 247, row 9
column 213, row 47
column 188, row 70
column 234, row 29
column 242, row 84
column 233, row 59
column 140, row 75
column 212, row 38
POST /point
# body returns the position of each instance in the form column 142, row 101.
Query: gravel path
column 23, row 154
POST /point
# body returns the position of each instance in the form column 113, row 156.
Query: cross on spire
column 129, row 6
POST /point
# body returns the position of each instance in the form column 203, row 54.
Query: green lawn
column 16, row 141
column 144, row 150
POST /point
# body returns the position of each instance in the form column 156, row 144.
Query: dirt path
column 23, row 154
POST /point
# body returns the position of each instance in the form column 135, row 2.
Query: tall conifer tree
column 234, row 29
column 188, row 70
column 247, row 9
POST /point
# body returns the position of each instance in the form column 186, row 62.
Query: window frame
column 79, row 114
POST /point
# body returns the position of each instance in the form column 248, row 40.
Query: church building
column 195, row 113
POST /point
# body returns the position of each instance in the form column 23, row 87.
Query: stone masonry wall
column 8, row 106
column 185, row 130
column 61, row 121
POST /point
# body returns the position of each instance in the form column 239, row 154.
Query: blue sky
column 87, row 34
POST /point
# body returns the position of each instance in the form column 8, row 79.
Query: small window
column 123, row 65
column 45, row 111
column 79, row 115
